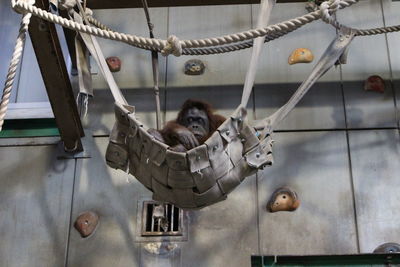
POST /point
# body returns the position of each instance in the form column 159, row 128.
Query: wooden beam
column 55, row 77
column 107, row 4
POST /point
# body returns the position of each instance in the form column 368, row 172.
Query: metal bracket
column 87, row 143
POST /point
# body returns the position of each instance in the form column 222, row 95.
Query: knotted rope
column 173, row 46
column 15, row 59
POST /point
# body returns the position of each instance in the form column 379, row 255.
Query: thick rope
column 173, row 45
column 325, row 16
column 12, row 70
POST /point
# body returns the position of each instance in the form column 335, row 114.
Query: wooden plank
column 104, row 4
column 316, row 166
column 31, row 86
column 55, row 76
column 35, row 196
column 375, row 159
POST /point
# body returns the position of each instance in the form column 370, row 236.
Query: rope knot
column 327, row 8
column 66, row 4
column 88, row 12
column 173, row 46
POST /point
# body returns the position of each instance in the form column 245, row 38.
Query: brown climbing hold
column 301, row 55
column 86, row 223
column 114, row 63
column 283, row 199
column 374, row 83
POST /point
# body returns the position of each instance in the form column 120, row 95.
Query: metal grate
column 161, row 219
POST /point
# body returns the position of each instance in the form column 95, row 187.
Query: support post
column 55, row 76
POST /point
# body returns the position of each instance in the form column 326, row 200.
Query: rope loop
column 173, row 46
column 328, row 8
column 88, row 12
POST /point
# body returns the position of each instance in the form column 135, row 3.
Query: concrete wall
column 339, row 149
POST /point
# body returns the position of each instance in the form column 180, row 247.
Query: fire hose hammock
column 208, row 173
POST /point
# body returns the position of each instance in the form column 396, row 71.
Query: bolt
column 258, row 155
column 228, row 132
column 215, row 148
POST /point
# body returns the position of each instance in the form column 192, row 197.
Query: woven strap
column 263, row 19
column 331, row 55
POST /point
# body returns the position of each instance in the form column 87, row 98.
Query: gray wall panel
column 100, row 118
column 321, row 107
column 368, row 109
column 136, row 71
column 391, row 10
column 375, row 157
column 225, row 99
column 204, row 22
column 113, row 195
column 367, row 56
column 35, row 197
column 315, row 165
column 9, row 21
column 224, row 234
column 274, row 67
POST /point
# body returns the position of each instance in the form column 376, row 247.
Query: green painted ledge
column 359, row 260
column 29, row 128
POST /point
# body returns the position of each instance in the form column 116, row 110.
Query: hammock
column 208, row 173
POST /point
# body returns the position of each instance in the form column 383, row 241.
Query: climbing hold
column 194, row 67
column 283, row 199
column 374, row 83
column 86, row 223
column 388, row 248
column 114, row 63
column 301, row 55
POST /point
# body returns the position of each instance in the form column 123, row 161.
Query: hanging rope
column 154, row 64
column 173, row 45
column 15, row 59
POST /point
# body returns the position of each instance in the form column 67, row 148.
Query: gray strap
column 334, row 51
column 263, row 20
column 82, row 61
column 94, row 48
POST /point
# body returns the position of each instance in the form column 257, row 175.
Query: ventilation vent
column 161, row 219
